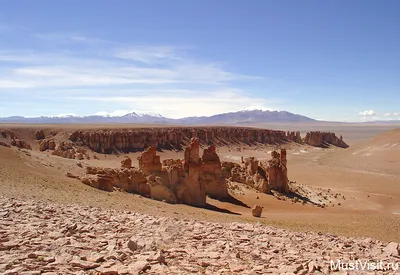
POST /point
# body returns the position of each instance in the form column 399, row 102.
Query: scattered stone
column 257, row 211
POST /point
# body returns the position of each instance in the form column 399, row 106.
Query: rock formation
column 177, row 181
column 47, row 144
column 193, row 190
column 68, row 150
column 149, row 161
column 13, row 140
column 126, row 162
column 130, row 180
column 159, row 191
column 256, row 211
column 132, row 140
column 261, row 176
column 277, row 172
column 324, row 139
column 39, row 135
column 294, row 136
column 212, row 177
column 103, row 182
column 20, row 144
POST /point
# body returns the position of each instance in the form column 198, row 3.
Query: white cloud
column 391, row 116
column 158, row 79
column 367, row 113
column 30, row 69
column 149, row 55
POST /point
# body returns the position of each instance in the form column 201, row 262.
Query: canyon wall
column 324, row 139
column 131, row 140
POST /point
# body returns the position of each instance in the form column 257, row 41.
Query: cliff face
column 131, row 140
column 324, row 139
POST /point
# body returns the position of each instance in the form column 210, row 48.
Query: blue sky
column 331, row 60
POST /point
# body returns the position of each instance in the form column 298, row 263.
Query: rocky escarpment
column 131, row 140
column 324, row 139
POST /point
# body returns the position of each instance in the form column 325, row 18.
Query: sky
column 329, row 60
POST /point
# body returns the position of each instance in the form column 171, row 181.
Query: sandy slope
column 380, row 154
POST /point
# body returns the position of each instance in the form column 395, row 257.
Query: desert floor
column 368, row 181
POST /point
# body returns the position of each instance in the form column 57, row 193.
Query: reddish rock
column 324, row 139
column 171, row 162
column 132, row 140
column 4, row 144
column 126, row 162
column 251, row 164
column 102, row 181
column 47, row 144
column 20, row 144
column 159, row 191
column 149, row 162
column 192, row 191
column 294, row 136
column 256, row 211
column 277, row 172
column 39, row 135
column 212, row 177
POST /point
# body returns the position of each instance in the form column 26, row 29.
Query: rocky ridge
column 324, row 139
column 108, row 141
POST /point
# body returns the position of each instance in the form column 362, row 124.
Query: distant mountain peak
column 256, row 114
column 258, row 108
column 126, row 113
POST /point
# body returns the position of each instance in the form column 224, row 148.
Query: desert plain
column 347, row 208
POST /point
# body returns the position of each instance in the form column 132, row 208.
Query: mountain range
column 232, row 118
column 244, row 117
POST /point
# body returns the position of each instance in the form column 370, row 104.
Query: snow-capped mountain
column 239, row 118
column 128, row 113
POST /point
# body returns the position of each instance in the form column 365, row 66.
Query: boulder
column 256, row 211
column 392, row 249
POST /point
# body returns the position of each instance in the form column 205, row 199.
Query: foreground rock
column 256, row 211
column 44, row 238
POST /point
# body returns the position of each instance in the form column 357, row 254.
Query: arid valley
column 199, row 137
column 341, row 203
